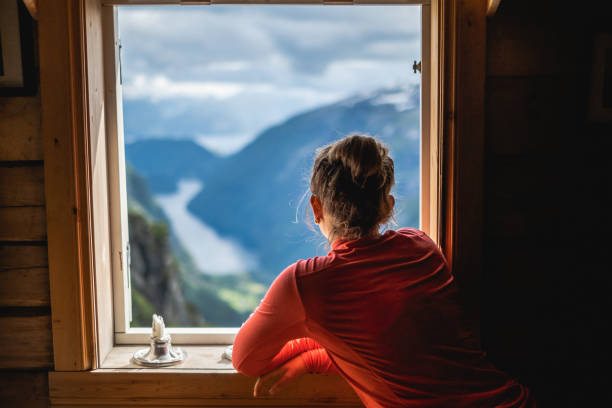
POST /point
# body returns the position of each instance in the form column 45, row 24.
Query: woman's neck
column 373, row 234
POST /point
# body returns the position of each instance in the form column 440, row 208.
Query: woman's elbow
column 243, row 367
column 242, row 363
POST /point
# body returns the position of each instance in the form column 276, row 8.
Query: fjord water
column 210, row 252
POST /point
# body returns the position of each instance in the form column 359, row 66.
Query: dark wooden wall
column 25, row 321
column 548, row 179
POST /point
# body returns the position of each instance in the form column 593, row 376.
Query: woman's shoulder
column 415, row 238
column 410, row 232
column 303, row 267
column 415, row 234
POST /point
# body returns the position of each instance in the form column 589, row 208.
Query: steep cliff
column 156, row 276
column 164, row 279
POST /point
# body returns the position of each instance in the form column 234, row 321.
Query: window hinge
column 119, row 49
column 129, row 281
column 128, row 263
column 416, row 67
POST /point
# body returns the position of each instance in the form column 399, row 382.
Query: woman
column 379, row 309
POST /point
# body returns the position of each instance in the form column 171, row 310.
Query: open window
column 212, row 118
column 79, row 76
column 81, row 113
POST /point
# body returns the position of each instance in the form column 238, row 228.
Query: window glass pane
column 223, row 109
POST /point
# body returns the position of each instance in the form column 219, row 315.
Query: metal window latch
column 416, row 66
column 119, row 52
column 128, row 264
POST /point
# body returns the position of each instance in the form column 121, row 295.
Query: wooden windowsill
column 204, row 379
column 198, row 358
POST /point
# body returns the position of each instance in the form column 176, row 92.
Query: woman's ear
column 317, row 208
column 391, row 201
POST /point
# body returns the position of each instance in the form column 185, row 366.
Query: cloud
column 186, row 41
column 231, row 66
column 390, row 49
column 226, row 70
column 328, row 36
column 160, row 87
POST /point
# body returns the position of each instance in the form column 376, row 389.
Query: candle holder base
column 159, row 354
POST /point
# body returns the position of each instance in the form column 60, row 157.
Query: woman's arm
column 278, row 318
column 318, row 361
column 314, row 355
column 310, row 361
column 296, row 358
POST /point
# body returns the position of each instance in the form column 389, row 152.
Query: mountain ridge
column 252, row 195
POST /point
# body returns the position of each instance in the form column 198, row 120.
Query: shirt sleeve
column 278, row 319
column 313, row 354
column 292, row 349
column 318, row 361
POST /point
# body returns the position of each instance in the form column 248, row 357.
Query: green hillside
column 164, row 279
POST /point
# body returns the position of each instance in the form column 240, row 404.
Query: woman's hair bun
column 353, row 177
column 361, row 155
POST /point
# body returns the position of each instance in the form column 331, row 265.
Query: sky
column 221, row 74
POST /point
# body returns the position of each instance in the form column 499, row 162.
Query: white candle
column 159, row 328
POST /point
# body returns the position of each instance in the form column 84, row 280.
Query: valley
column 234, row 222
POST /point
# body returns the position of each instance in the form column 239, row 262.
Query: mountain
column 164, row 279
column 144, row 119
column 155, row 275
column 164, row 161
column 252, row 196
column 140, row 197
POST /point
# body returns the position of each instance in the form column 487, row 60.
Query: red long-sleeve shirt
column 382, row 314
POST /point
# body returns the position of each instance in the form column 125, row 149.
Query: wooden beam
column 463, row 140
column 191, row 388
column 76, row 181
column 98, row 183
column 437, row 52
column 25, row 342
column 267, row 2
column 65, row 129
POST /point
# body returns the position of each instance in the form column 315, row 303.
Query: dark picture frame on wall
column 17, row 65
column 600, row 104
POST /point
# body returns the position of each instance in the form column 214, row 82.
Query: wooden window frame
column 75, row 121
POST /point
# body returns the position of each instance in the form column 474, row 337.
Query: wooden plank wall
column 546, row 202
column 25, row 321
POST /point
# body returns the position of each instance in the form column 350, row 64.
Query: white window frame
column 429, row 166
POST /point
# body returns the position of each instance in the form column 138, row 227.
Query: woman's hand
column 277, row 379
